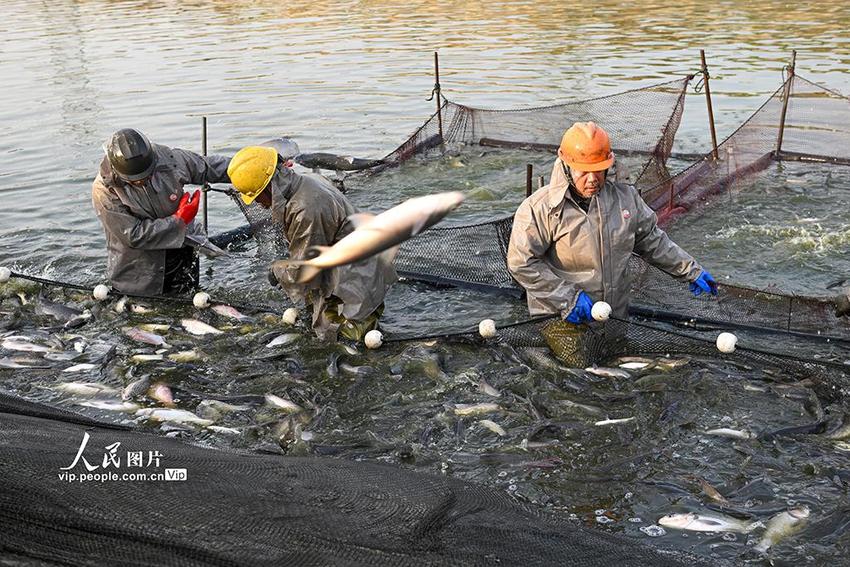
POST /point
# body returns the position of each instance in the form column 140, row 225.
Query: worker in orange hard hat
column 572, row 240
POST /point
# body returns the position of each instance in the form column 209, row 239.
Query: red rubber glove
column 188, row 207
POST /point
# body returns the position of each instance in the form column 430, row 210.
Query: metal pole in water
column 204, row 150
column 529, row 175
column 541, row 182
column 785, row 96
column 708, row 102
column 438, row 96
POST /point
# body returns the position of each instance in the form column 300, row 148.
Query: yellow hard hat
column 251, row 169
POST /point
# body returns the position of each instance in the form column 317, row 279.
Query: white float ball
column 374, row 339
column 101, row 292
column 5, row 274
column 600, row 311
column 201, row 300
column 726, row 342
column 290, row 316
column 487, row 328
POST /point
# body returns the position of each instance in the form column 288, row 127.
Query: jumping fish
column 199, row 327
column 704, row 523
column 375, row 234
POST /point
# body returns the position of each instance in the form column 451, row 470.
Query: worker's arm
column 203, row 169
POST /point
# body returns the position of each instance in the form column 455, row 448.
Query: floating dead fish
column 493, row 426
column 230, row 312
column 145, row 337
column 281, row 404
column 81, row 368
column 614, row 421
column 781, row 526
column 199, row 327
column 730, row 433
column 173, row 416
column 705, row 523
column 284, row 340
column 608, row 372
column 126, row 407
column 476, row 409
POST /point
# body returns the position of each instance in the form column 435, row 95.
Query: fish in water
column 487, row 389
column 493, row 426
column 141, row 358
column 224, row 430
column 283, row 340
column 22, row 362
column 608, row 372
column 161, row 393
column 185, row 356
column 199, row 327
column 730, row 433
column 137, row 388
column 475, row 409
column 85, row 389
column 81, row 368
column 214, row 409
column 140, row 309
column 230, row 312
column 781, row 526
column 145, row 337
column 173, row 416
column 705, row 523
column 374, row 234
column 126, row 407
column 56, row 310
column 357, row 370
column 154, row 327
column 281, row 404
column 23, row 344
column 614, row 421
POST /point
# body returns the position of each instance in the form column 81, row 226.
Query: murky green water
column 352, row 78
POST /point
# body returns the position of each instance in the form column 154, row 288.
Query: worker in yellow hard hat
column 572, row 240
column 346, row 301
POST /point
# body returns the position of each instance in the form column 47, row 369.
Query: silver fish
column 126, row 407
column 614, row 421
column 608, row 372
column 173, row 416
column 487, row 389
column 283, row 340
column 730, row 433
column 23, row 344
column 493, row 426
column 356, row 370
column 705, row 523
column 81, row 368
column 278, row 403
column 145, row 337
column 199, row 327
column 161, row 393
column 137, row 388
column 155, row 327
column 22, row 362
column 140, row 309
column 85, row 389
column 224, row 430
column 142, row 358
column 375, row 234
column 56, row 310
column 782, row 525
column 185, row 356
column 476, row 409
column 231, row 312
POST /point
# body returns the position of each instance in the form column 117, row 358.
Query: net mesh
column 240, row 508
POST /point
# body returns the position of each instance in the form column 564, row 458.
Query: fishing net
column 241, row 508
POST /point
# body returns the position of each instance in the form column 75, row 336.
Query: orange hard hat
column 586, row 147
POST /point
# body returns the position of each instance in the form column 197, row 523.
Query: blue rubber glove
column 704, row 283
column 581, row 312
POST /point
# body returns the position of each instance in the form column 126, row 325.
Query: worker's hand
column 704, row 283
column 581, row 313
column 188, row 207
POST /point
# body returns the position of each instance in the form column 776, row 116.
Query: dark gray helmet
column 131, row 154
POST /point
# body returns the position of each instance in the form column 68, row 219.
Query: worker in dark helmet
column 138, row 196
column 571, row 241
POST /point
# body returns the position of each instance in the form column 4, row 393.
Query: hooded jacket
column 312, row 212
column 557, row 249
column 138, row 221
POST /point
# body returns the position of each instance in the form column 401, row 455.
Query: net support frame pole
column 529, row 176
column 204, row 151
column 785, row 96
column 438, row 97
column 705, row 78
column 541, row 182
